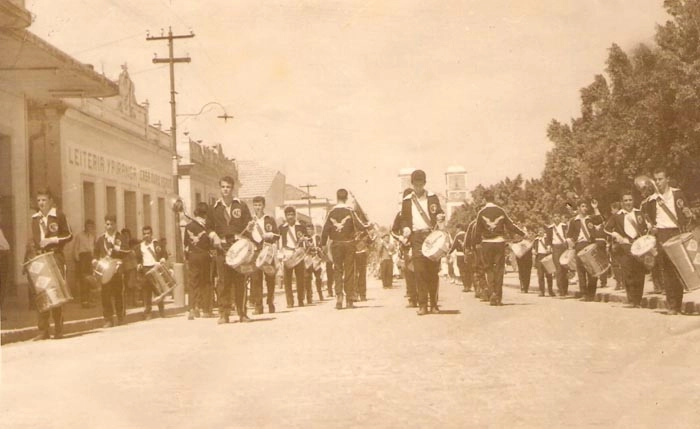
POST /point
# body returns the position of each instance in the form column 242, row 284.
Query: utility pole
column 308, row 197
column 172, row 60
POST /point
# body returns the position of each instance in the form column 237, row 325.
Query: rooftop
column 256, row 178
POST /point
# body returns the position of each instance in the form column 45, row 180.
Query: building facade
column 455, row 189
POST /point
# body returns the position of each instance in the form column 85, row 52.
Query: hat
column 418, row 176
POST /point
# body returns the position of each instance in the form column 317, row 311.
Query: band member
column 82, row 255
column 556, row 235
column 340, row 227
column 624, row 227
column 330, row 277
column 128, row 269
column 406, row 264
column 264, row 231
column 582, row 232
column 656, row 274
column 492, row 222
column 228, row 221
column 524, row 270
column 149, row 252
column 385, row 253
column 361, row 244
column 475, row 264
column 314, row 250
column 669, row 214
column 615, row 251
column 420, row 215
column 542, row 248
column 197, row 250
column 50, row 233
column 293, row 236
column 459, row 252
column 109, row 244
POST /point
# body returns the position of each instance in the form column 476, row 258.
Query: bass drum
column 162, row 280
column 644, row 249
column 548, row 264
column 677, row 250
column 568, row 259
column 521, row 247
column 50, row 288
column 106, row 268
column 595, row 259
column 292, row 258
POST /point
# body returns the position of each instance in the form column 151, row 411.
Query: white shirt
column 541, row 246
column 44, row 221
column 292, row 236
column 418, row 221
column 629, row 226
column 561, row 238
column 148, row 259
column 662, row 219
column 260, row 222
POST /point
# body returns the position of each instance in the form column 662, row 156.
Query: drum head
column 241, row 252
column 643, row 245
column 433, row 242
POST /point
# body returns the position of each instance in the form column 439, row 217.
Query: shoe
column 108, row 324
column 190, row 315
column 351, row 304
column 245, row 319
column 422, row 311
column 412, row 304
column 120, row 321
column 258, row 310
column 541, row 295
column 494, row 300
column 147, row 316
column 42, row 336
column 197, row 313
column 363, row 298
column 435, row 310
column 208, row 315
column 57, row 336
column 161, row 313
column 301, row 304
column 338, row 305
column 222, row 320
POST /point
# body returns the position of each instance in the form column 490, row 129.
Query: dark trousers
column 465, row 264
column 130, row 287
column 330, row 277
column 562, row 275
column 481, row 288
column 525, row 270
column 361, row 274
column 633, row 274
column 411, row 291
column 198, row 279
column 113, row 299
column 543, row 275
column 84, row 270
column 671, row 279
column 147, row 289
column 386, row 272
column 617, row 254
column 426, row 272
column 344, row 266
column 231, row 282
column 586, row 282
column 309, row 280
column 256, row 289
column 657, row 275
column 494, row 258
column 298, row 273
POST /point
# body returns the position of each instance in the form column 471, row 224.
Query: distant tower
column 404, row 181
column 456, row 192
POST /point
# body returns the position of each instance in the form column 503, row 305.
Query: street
column 534, row 362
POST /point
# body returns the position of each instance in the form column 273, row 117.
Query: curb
column 82, row 325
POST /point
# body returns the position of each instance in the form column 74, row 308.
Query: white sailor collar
column 342, row 206
column 52, row 212
column 490, row 205
column 221, row 201
column 656, row 195
column 427, row 194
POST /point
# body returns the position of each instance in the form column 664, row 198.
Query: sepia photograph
column 349, row 214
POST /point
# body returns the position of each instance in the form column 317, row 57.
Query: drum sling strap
column 584, row 229
column 662, row 204
column 556, row 231
column 422, row 212
column 260, row 230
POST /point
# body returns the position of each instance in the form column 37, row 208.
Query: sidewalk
column 691, row 300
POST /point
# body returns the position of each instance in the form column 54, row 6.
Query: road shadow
column 448, row 312
column 508, row 304
column 261, row 319
column 82, row 333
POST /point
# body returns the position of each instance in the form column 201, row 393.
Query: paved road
column 535, row 362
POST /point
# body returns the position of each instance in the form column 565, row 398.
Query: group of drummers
column 656, row 236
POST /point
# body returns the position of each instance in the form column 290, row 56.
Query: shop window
column 111, row 195
column 161, row 217
column 147, row 220
column 89, row 201
column 130, row 212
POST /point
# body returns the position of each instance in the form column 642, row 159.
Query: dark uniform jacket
column 492, row 222
column 269, row 226
column 341, row 224
column 616, row 223
column 469, row 242
column 196, row 239
column 300, row 235
column 228, row 230
column 550, row 233
column 56, row 226
column 650, row 207
column 103, row 247
column 592, row 223
column 458, row 242
column 433, row 211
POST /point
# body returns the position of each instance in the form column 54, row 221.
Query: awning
column 34, row 67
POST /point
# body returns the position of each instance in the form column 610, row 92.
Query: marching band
column 248, row 249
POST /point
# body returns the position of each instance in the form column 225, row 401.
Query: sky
column 347, row 93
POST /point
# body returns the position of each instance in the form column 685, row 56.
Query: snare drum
column 644, row 249
column 548, row 264
column 595, row 259
column 568, row 259
column 240, row 256
column 436, row 245
column 50, row 288
column 106, row 268
column 292, row 258
column 676, row 249
column 266, row 259
column 162, row 280
column 521, row 248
